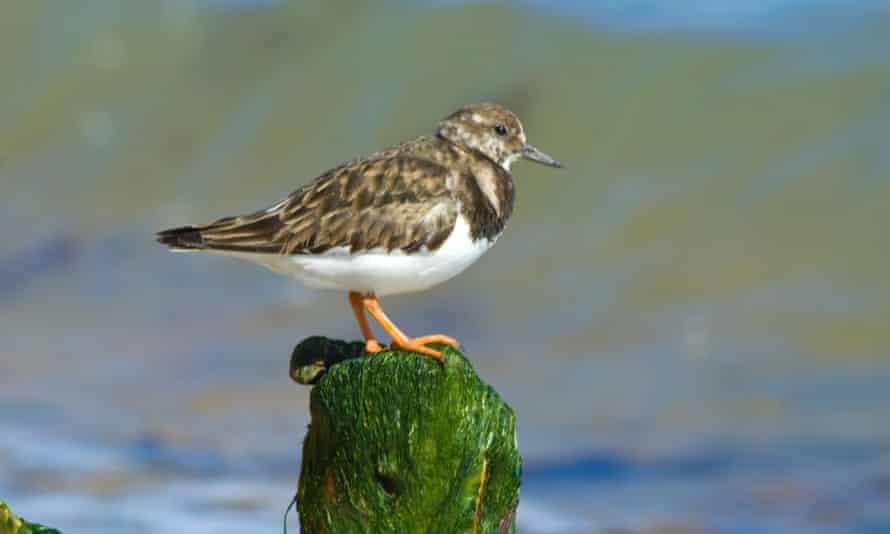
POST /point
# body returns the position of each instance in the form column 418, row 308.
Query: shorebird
column 398, row 221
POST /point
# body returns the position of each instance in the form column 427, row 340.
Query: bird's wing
column 392, row 202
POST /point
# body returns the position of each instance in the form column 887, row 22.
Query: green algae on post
column 12, row 524
column 400, row 442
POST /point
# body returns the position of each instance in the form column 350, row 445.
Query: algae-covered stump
column 402, row 443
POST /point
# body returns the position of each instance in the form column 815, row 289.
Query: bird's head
column 494, row 131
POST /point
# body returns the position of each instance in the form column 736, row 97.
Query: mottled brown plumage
column 402, row 198
column 400, row 220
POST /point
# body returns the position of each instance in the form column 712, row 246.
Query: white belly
column 378, row 271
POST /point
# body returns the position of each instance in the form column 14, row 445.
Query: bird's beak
column 531, row 153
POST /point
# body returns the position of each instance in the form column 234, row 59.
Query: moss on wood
column 400, row 442
column 12, row 524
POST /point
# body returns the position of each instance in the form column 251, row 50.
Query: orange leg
column 371, row 345
column 399, row 339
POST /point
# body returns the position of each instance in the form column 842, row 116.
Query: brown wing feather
column 393, row 201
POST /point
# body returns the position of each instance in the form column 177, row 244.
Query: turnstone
column 398, row 221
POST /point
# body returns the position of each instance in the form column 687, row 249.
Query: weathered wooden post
column 402, row 443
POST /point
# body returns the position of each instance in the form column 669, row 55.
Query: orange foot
column 371, row 344
column 399, row 339
column 418, row 345
column 438, row 338
column 372, row 347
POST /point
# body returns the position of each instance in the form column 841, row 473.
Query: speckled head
column 494, row 131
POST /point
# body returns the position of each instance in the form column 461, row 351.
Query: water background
column 690, row 320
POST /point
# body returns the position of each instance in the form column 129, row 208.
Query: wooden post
column 402, row 443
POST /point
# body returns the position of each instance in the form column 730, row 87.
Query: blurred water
column 690, row 320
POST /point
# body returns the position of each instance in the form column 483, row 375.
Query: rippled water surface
column 690, row 320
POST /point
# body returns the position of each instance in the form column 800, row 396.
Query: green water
column 709, row 268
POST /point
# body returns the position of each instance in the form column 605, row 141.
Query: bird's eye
column 500, row 129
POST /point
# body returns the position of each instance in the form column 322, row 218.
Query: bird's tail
column 258, row 232
column 182, row 238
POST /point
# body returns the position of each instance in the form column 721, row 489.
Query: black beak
column 531, row 153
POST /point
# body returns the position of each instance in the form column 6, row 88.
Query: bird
column 400, row 220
